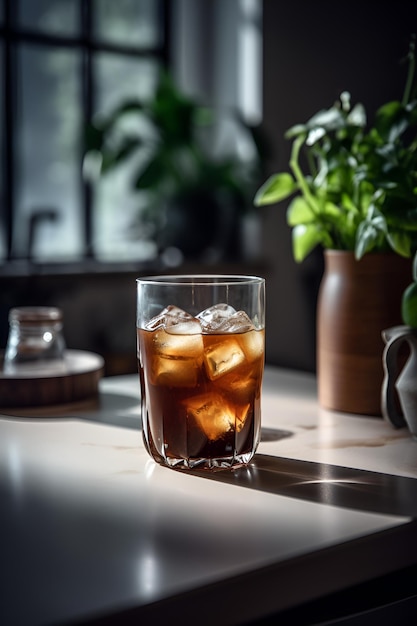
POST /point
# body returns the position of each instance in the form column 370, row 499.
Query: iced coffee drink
column 201, row 377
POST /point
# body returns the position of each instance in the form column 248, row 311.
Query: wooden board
column 77, row 381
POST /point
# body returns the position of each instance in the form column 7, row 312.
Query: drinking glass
column 35, row 344
column 200, row 347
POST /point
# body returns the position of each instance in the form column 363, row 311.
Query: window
column 61, row 62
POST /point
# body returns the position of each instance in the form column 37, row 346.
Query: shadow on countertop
column 325, row 484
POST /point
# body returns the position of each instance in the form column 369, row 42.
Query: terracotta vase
column 357, row 301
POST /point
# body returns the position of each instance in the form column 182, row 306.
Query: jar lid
column 35, row 314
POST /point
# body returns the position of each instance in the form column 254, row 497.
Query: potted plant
column 192, row 193
column 354, row 192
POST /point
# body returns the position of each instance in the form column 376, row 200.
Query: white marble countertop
column 90, row 526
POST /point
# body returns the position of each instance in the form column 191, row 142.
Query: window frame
column 11, row 35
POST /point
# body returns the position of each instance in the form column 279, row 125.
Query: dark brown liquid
column 200, row 395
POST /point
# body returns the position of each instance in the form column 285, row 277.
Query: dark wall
column 99, row 311
column 312, row 52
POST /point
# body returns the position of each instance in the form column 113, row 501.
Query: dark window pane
column 48, row 186
column 119, row 77
column 2, row 198
column 51, row 86
column 116, row 206
column 58, row 17
column 127, row 22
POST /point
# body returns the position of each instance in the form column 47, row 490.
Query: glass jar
column 35, row 342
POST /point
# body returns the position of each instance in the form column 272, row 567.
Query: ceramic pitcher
column 400, row 378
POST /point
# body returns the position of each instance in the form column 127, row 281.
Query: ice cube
column 214, row 316
column 252, row 344
column 174, row 372
column 167, row 317
column 240, row 387
column 184, row 327
column 222, row 357
column 171, row 345
column 239, row 322
column 212, row 414
column 223, row 318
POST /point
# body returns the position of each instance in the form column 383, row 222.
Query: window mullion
column 9, row 125
column 88, row 107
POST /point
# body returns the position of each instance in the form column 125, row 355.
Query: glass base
column 233, row 459
column 211, row 465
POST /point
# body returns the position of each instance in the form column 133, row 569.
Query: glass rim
column 201, row 279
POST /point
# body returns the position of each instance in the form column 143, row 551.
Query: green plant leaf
column 348, row 203
column 107, row 123
column 357, row 116
column 305, row 237
column 331, row 210
column 329, row 119
column 366, row 239
column 356, row 187
column 295, row 131
column 151, row 176
column 276, row 188
column 94, row 137
column 299, row 212
column 369, row 235
column 92, row 164
column 400, row 242
column 112, row 159
column 129, row 106
column 107, row 161
column 375, row 217
column 414, row 270
column 315, row 135
column 387, row 117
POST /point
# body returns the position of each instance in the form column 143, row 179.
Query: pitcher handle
column 389, row 405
